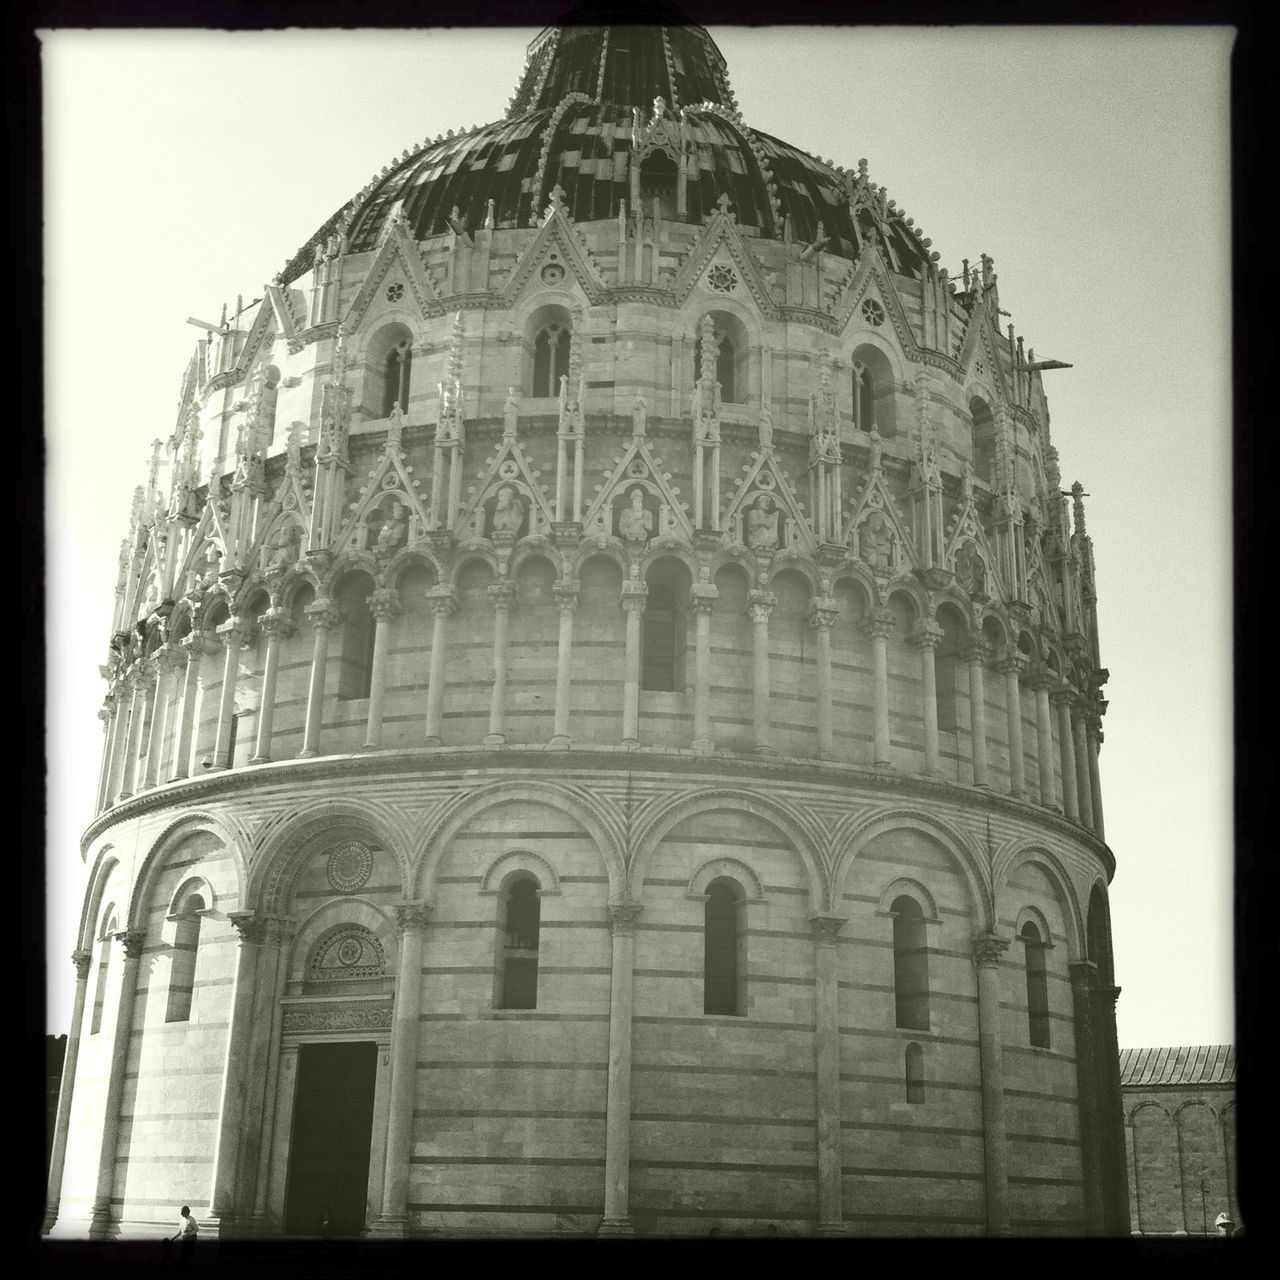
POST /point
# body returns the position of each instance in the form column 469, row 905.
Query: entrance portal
column 329, row 1150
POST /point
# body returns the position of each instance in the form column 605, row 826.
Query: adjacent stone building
column 603, row 719
column 1180, row 1126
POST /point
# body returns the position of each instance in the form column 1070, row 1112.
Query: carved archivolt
column 348, row 953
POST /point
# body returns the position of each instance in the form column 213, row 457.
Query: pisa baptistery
column 603, row 718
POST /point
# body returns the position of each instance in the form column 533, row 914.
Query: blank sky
column 184, row 168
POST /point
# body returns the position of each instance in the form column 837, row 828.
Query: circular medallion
column 350, row 866
column 723, row 279
column 873, row 312
column 508, row 470
column 349, row 951
column 552, row 273
column 395, row 292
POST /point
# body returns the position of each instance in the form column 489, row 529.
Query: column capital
column 249, row 925
column 108, row 709
column 502, row 594
column 928, row 635
column 196, row 644
column 987, row 950
column 823, row 613
column 323, row 614
column 279, row 929
column 826, row 927
column 82, row 960
column 1061, row 693
column 634, row 595
column 622, row 916
column 143, row 675
column 565, row 592
column 1084, row 974
column 233, row 630
column 1108, row 995
column 1043, row 680
column 703, row 597
column 1013, row 664
column 441, row 600
column 976, row 652
column 384, row 603
column 760, row 605
column 276, row 622
column 170, row 658
column 132, row 940
column 412, row 915
column 880, row 624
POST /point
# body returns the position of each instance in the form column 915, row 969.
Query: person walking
column 186, row 1234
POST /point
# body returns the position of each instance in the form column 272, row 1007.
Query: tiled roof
column 1180, row 1065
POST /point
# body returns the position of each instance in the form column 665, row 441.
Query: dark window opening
column 945, row 683
column 395, row 381
column 910, row 965
column 726, row 367
column 550, row 360
column 522, row 917
column 864, row 398
column 723, row 967
column 355, row 672
column 660, row 647
column 182, row 971
column 658, row 180
column 1037, row 986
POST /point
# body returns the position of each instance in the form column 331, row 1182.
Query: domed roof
column 586, row 93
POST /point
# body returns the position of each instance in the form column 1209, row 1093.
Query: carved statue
column 635, row 524
column 395, row 530
column 762, row 524
column 508, row 511
column 971, row 573
column 284, row 546
column 873, row 449
column 966, row 482
column 510, row 412
column 212, row 565
column 875, row 542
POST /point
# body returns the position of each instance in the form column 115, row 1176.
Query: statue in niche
column 508, row 511
column 635, row 523
column 284, row 546
column 763, row 518
column 875, row 542
column 971, row 572
column 966, row 482
column 510, row 412
column 395, row 530
column 212, row 565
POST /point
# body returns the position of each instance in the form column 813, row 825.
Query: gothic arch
column 854, row 833
column 282, row 845
column 586, row 810
column 225, row 827
column 1013, row 855
column 661, row 815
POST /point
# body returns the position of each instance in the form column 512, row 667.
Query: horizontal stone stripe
column 673, row 1117
column 541, row 1162
column 754, row 979
column 165, row 1117
column 936, row 1175
column 1044, row 1139
column 491, row 923
column 470, row 833
column 368, row 891
column 470, row 1207
column 477, row 1064
column 886, row 988
column 512, row 1015
column 870, row 1126
column 911, row 1033
column 150, row 1159
column 479, row 1113
column 720, row 1019
column 215, row 1072
column 805, row 1171
column 717, row 837
column 754, row 1073
column 1037, row 1180
column 895, row 1082
column 924, row 1219
column 1037, row 1096
column 543, row 969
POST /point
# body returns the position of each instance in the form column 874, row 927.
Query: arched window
column 984, row 441
column 550, row 359
column 100, row 986
column 355, row 667
column 1037, row 986
column 726, row 366
column 658, row 180
column 910, row 965
column 915, row 1073
column 864, row 397
column 395, row 378
column 946, row 665
column 660, row 645
column 182, row 971
column 873, row 391
column 724, row 966
column 521, row 912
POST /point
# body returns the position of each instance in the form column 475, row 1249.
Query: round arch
column 1014, row 855
column 347, row 910
column 587, row 811
column 104, row 864
column 662, row 815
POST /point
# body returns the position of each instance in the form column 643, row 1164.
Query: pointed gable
column 872, row 282
column 557, row 235
column 397, row 250
column 636, row 466
column 720, row 238
column 765, row 478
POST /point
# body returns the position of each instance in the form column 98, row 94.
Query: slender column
column 503, row 595
column 760, row 605
column 976, row 655
column 986, row 958
column 1012, row 667
column 107, row 714
column 1093, row 735
column 277, row 626
column 100, row 1219
column 168, row 661
column 826, row 930
column 928, row 636
column 195, row 646
column 617, row 1141
column 441, row 601
column 231, row 633
column 411, row 920
column 703, row 602
column 634, row 593
column 324, row 615
column 141, row 683
column 880, row 627
column 1044, row 737
column 566, row 594
column 136, row 763
column 62, row 1122
column 384, row 604
column 1062, row 702
column 1085, row 792
column 822, row 617
column 123, row 694
column 1115, row 1180
column 1083, row 978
